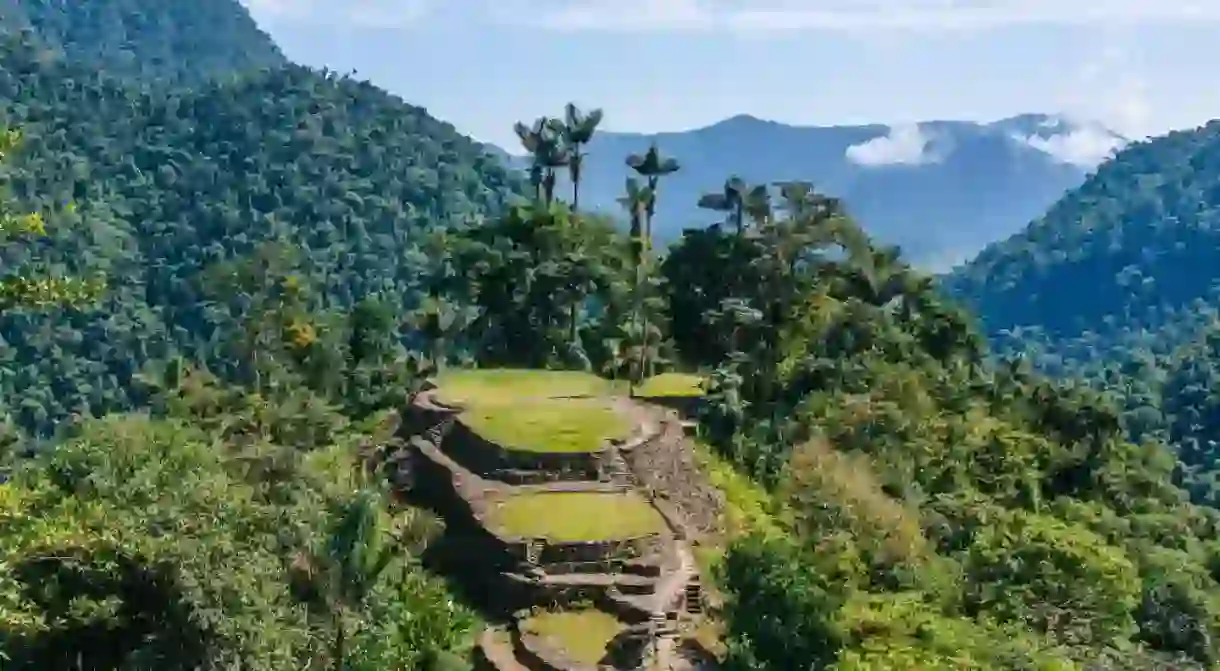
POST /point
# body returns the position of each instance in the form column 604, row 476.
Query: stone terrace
column 581, row 565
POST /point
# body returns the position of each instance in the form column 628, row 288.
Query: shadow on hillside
column 463, row 563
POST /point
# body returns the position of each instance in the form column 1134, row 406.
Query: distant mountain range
column 942, row 190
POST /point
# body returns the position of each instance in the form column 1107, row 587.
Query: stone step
column 650, row 566
column 694, row 598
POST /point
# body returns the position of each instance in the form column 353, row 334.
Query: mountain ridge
column 978, row 181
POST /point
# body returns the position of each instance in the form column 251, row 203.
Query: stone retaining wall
column 489, row 459
column 622, row 607
column 628, row 650
column 436, row 485
column 556, row 554
column 517, row 592
column 425, row 413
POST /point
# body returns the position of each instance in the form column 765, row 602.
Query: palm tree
column 544, row 144
column 577, row 129
column 642, row 203
column 757, row 206
column 635, row 200
column 551, row 156
column 652, row 166
column 731, row 201
column 531, row 138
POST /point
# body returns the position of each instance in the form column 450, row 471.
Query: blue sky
column 1139, row 66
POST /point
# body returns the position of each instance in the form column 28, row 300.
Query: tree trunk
column 548, row 184
column 575, row 187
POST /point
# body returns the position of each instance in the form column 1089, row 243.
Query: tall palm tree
column 731, row 201
column 757, row 206
column 635, row 200
column 544, row 144
column 652, row 166
column 551, row 156
column 800, row 199
column 577, row 129
column 531, row 137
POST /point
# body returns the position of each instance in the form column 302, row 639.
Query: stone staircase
column 693, row 596
column 533, row 553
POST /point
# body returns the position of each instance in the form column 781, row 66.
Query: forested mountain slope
column 163, row 184
column 1124, row 264
column 150, row 40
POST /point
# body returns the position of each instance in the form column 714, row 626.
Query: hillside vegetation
column 345, row 179
column 1120, row 267
column 1117, row 285
column 163, row 42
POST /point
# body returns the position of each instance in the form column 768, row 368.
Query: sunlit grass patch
column 575, row 516
column 669, row 385
column 570, row 425
column 583, row 635
column 510, row 385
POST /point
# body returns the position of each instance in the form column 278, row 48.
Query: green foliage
column 172, row 43
column 167, row 184
column 931, row 498
column 150, row 542
column 545, row 282
column 1134, row 246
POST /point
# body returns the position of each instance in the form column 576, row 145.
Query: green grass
column 582, row 635
column 573, row 425
column 510, row 385
column 527, row 409
column 671, row 385
column 575, row 516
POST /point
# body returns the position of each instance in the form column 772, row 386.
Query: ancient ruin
column 560, row 541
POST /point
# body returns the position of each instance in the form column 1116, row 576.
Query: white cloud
column 1086, row 145
column 903, row 145
column 863, row 16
